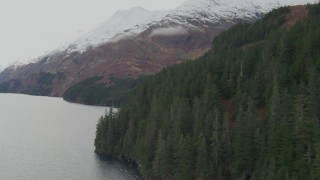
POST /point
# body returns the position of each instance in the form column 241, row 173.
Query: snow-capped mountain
column 213, row 10
column 138, row 42
column 123, row 24
column 129, row 23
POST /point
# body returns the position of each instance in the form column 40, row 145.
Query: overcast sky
column 31, row 27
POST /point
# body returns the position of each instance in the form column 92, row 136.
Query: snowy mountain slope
column 213, row 10
column 129, row 23
column 121, row 25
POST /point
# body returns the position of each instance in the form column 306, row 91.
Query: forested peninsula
column 247, row 109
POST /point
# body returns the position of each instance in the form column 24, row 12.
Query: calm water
column 44, row 138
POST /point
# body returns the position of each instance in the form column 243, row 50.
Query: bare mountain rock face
column 134, row 43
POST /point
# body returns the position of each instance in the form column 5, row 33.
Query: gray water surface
column 43, row 138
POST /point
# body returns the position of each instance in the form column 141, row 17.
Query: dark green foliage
column 43, row 86
column 90, row 92
column 246, row 33
column 9, row 85
column 46, row 78
column 16, row 86
column 61, row 75
column 38, row 91
column 248, row 109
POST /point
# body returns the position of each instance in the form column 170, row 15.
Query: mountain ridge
column 128, row 20
column 179, row 35
column 200, row 7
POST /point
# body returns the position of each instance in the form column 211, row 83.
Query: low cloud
column 119, row 37
column 169, row 31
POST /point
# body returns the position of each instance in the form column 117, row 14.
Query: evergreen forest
column 247, row 109
column 91, row 92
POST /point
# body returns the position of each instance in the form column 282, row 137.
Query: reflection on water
column 47, row 138
column 119, row 168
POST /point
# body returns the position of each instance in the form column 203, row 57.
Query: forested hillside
column 248, row 109
column 112, row 94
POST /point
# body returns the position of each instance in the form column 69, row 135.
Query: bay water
column 45, row 138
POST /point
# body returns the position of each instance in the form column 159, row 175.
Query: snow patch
column 119, row 37
column 215, row 10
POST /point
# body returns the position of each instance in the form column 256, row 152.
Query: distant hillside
column 247, row 109
column 113, row 94
column 135, row 43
